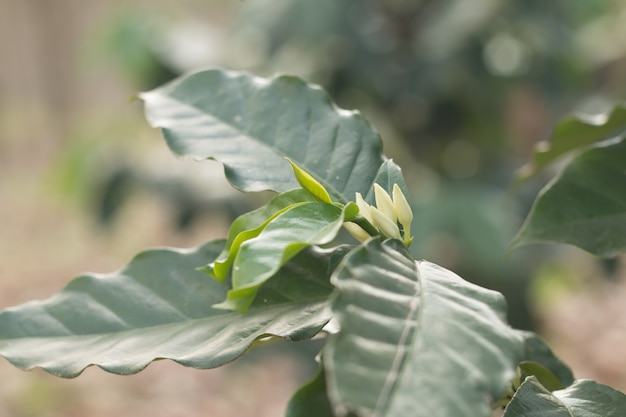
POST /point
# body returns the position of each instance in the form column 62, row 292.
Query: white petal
column 384, row 202
column 364, row 208
column 356, row 231
column 402, row 207
column 383, row 223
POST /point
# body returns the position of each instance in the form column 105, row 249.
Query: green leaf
column 583, row 399
column 251, row 124
column 539, row 361
column 388, row 174
column 310, row 184
column 574, row 133
column 159, row 307
column 416, row 339
column 250, row 225
column 311, row 400
column 585, row 205
column 284, row 236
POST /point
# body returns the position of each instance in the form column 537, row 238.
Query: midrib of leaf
column 303, row 164
column 569, row 410
column 392, row 379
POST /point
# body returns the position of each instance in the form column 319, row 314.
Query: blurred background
column 460, row 92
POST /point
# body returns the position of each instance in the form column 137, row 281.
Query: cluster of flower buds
column 391, row 217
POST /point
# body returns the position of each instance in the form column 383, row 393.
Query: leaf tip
column 309, row 183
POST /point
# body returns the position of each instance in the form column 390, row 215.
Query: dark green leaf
column 574, row 133
column 159, row 306
column 251, row 124
column 585, row 205
column 388, row 175
column 583, row 399
column 539, row 361
column 416, row 340
column 311, row 399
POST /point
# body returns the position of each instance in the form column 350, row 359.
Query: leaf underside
column 158, row 307
column 416, row 339
column 585, row 205
column 251, row 124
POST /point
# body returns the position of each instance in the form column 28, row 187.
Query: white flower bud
column 364, row 208
column 384, row 203
column 356, row 231
column 402, row 207
column 387, row 226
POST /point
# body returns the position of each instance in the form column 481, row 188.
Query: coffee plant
column 327, row 257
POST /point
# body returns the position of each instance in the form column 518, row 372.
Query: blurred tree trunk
column 39, row 45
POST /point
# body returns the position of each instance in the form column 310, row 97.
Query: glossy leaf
column 311, row 400
column 582, row 399
column 416, row 339
column 585, row 205
column 310, row 184
column 574, row 133
column 285, row 236
column 159, row 307
column 251, row 124
column 250, row 225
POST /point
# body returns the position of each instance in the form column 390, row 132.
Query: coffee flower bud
column 384, row 202
column 387, row 226
column 384, row 217
column 356, row 231
column 364, row 208
column 404, row 212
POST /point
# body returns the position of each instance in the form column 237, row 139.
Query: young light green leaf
column 585, row 205
column 256, row 218
column 415, row 339
column 284, row 236
column 251, row 124
column 249, row 225
column 310, row 184
column 159, row 307
column 582, row 399
column 572, row 134
column 220, row 267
